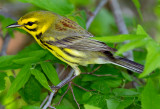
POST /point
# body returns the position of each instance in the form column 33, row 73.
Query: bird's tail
column 128, row 64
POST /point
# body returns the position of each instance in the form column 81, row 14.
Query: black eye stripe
column 30, row 23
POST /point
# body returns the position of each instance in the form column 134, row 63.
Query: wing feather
column 80, row 43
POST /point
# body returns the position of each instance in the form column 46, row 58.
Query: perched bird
column 69, row 42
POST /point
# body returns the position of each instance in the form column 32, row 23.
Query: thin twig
column 55, row 90
column 44, row 101
column 5, row 45
column 62, row 97
column 51, row 107
column 73, row 95
column 100, row 75
column 120, row 23
column 100, row 5
column 82, row 88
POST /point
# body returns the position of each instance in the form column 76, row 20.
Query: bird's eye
column 30, row 23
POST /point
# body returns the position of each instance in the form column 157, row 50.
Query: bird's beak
column 14, row 25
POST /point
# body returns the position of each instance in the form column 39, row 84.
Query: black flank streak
column 65, row 59
column 41, row 41
column 47, row 46
column 38, row 36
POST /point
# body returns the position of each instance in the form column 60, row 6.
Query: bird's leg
column 64, row 83
column 76, row 73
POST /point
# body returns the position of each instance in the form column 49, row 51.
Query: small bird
column 69, row 42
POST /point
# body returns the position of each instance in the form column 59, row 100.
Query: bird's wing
column 80, row 43
column 64, row 27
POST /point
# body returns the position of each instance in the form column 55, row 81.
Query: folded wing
column 81, row 43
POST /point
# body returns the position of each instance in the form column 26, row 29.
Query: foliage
column 36, row 70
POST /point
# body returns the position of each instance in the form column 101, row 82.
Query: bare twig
column 82, row 87
column 51, row 107
column 5, row 45
column 100, row 75
column 62, row 97
column 120, row 23
column 55, row 90
column 100, row 5
column 73, row 95
column 44, row 101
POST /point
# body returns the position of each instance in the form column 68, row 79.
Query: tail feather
column 128, row 64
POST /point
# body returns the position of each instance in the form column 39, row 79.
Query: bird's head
column 35, row 22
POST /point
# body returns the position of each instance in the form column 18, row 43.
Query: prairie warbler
column 69, row 42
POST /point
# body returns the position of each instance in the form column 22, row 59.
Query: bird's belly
column 75, row 57
column 64, row 55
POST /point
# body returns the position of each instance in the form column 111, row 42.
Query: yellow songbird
column 69, row 42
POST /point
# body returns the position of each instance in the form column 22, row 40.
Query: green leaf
column 31, row 107
column 150, row 97
column 20, row 79
column 124, row 92
column 98, row 100
column 87, row 106
column 62, row 7
column 141, row 31
column 6, row 63
column 153, row 58
column 127, row 76
column 114, row 82
column 138, row 6
column 81, row 2
column 50, row 71
column 31, row 92
column 32, row 53
column 131, row 45
column 2, row 81
column 41, row 78
column 27, row 60
column 120, row 38
column 5, row 22
column 31, row 47
column 101, row 86
column 24, row 57
column 113, row 103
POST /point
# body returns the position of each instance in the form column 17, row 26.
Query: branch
column 5, row 45
column 54, row 90
column 44, row 101
column 120, row 23
column 100, row 5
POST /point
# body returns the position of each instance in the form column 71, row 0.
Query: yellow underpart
column 49, row 39
column 62, row 56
